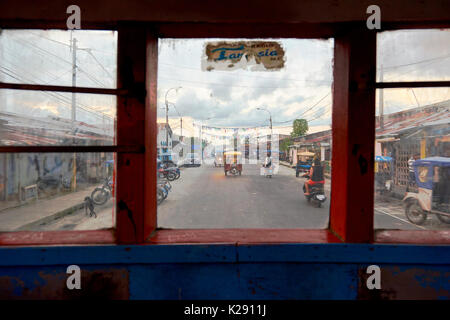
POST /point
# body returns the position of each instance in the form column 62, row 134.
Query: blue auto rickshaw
column 383, row 174
column 432, row 177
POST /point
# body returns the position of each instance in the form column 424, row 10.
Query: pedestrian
column 412, row 176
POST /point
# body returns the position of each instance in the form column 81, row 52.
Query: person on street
column 412, row 176
column 315, row 175
column 268, row 161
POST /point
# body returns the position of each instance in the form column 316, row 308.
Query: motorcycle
column 102, row 194
column 316, row 193
column 163, row 187
column 170, row 173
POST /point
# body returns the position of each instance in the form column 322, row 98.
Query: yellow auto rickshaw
column 232, row 162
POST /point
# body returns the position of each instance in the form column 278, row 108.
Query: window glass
column 412, row 125
column 413, row 55
column 82, row 58
column 56, row 118
column 242, row 120
column 48, row 191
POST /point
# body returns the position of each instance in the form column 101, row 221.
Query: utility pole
column 181, row 125
column 167, row 126
column 271, row 132
column 167, row 117
column 74, row 81
column 381, row 100
column 74, row 111
column 417, row 101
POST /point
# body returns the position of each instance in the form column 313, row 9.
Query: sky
column 302, row 89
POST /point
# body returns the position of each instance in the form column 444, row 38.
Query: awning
column 306, row 154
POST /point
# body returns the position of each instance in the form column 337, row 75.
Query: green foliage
column 300, row 127
column 285, row 144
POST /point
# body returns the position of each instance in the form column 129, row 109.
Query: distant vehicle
column 433, row 195
column 383, row 174
column 302, row 166
column 218, row 160
column 232, row 162
column 191, row 159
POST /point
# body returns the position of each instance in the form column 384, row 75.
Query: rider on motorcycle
column 315, row 175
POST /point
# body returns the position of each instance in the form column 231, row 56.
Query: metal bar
column 76, row 149
column 412, row 84
column 39, row 87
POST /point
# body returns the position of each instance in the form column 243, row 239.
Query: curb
column 286, row 165
column 51, row 217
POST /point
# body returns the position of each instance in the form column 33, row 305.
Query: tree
column 284, row 146
column 300, row 128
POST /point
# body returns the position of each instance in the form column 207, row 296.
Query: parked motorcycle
column 316, row 193
column 170, row 173
column 102, row 194
column 162, row 188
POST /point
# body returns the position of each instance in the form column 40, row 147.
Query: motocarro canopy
column 439, row 161
column 232, row 153
column 307, row 154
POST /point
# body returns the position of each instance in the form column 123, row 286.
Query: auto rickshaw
column 383, row 174
column 232, row 162
column 433, row 191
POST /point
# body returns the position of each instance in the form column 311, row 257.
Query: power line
column 416, row 62
column 299, row 116
column 56, row 95
column 43, row 37
column 98, row 62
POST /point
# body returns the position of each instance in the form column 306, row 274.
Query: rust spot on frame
column 401, row 283
column 95, row 284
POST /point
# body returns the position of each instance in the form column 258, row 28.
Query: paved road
column 204, row 198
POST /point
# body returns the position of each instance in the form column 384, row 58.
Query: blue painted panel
column 184, row 281
column 322, row 253
column 346, row 253
column 111, row 254
column 243, row 281
column 298, row 281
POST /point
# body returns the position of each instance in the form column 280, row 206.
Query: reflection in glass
column 56, row 118
column 412, row 157
column 413, row 55
column 48, row 191
column 83, row 58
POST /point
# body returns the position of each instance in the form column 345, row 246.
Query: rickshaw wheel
column 442, row 218
column 415, row 214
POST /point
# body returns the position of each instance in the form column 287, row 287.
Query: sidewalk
column 41, row 211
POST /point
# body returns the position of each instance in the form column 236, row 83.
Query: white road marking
column 391, row 215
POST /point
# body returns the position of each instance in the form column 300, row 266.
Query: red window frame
column 352, row 201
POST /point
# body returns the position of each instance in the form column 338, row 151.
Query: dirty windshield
column 244, row 133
